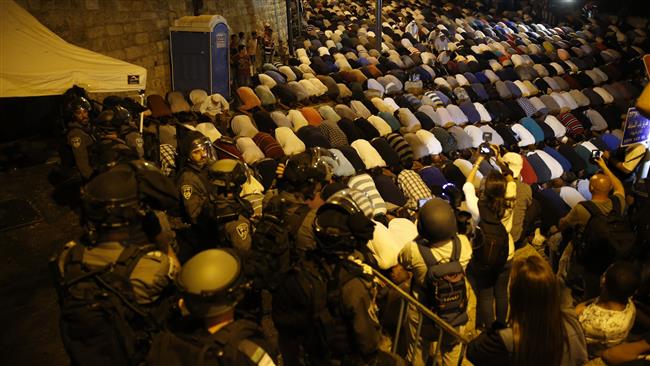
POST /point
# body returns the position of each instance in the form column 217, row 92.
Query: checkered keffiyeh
column 413, row 187
column 167, row 159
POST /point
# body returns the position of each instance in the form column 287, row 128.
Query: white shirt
column 472, row 205
column 483, row 113
column 571, row 196
column 429, row 140
column 525, row 137
column 444, row 116
column 368, row 154
column 496, row 138
column 475, row 133
column 558, row 128
column 382, row 126
column 553, row 165
column 457, row 114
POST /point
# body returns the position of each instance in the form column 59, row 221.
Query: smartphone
column 596, row 154
column 487, row 136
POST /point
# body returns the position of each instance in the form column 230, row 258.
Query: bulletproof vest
column 107, row 153
column 231, row 345
column 66, row 153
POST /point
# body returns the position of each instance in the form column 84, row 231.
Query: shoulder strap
column 428, row 257
column 616, row 205
column 128, row 259
column 455, row 252
column 591, row 208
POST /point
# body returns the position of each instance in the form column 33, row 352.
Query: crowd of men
column 252, row 234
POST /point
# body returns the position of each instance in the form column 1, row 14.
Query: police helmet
column 112, row 119
column 340, row 225
column 436, row 221
column 192, row 141
column 75, row 104
column 212, row 282
column 308, row 167
column 228, row 175
column 111, row 200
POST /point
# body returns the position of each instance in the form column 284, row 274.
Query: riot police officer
column 298, row 194
column 79, row 136
column 195, row 153
column 332, row 318
column 110, row 281
column 110, row 149
column 211, row 284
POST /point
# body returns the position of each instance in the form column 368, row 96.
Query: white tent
column 34, row 61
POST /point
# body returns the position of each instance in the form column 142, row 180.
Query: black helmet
column 112, row 119
column 340, row 225
column 75, row 104
column 436, row 221
column 193, row 140
column 308, row 167
column 111, row 200
column 228, row 175
column 211, row 282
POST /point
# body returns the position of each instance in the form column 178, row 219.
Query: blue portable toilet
column 200, row 54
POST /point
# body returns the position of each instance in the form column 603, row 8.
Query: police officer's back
column 109, row 283
column 109, row 149
column 211, row 284
column 325, row 306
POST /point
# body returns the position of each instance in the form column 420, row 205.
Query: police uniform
column 134, row 140
column 301, row 232
column 194, row 191
column 360, row 313
column 80, row 141
column 110, row 151
column 153, row 272
column 202, row 211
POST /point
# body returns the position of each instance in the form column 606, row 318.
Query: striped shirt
column 365, row 184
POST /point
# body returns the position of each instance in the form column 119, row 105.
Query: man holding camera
column 600, row 186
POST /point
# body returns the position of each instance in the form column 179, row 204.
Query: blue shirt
column 532, row 127
column 566, row 164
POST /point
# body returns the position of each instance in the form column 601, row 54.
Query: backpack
column 273, row 244
column 490, row 244
column 307, row 303
column 445, row 285
column 100, row 322
column 230, row 346
column 604, row 239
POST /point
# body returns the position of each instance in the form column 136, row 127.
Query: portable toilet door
column 200, row 57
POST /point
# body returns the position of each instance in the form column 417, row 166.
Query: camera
column 484, row 148
column 595, row 155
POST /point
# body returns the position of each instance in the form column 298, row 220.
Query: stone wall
column 137, row 31
column 249, row 15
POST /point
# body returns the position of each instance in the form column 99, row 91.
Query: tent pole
column 141, row 94
column 378, row 38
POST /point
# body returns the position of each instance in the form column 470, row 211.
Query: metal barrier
column 425, row 312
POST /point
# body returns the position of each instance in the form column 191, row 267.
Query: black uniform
column 240, row 342
column 80, row 140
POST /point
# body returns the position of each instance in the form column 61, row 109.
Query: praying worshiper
column 316, row 187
